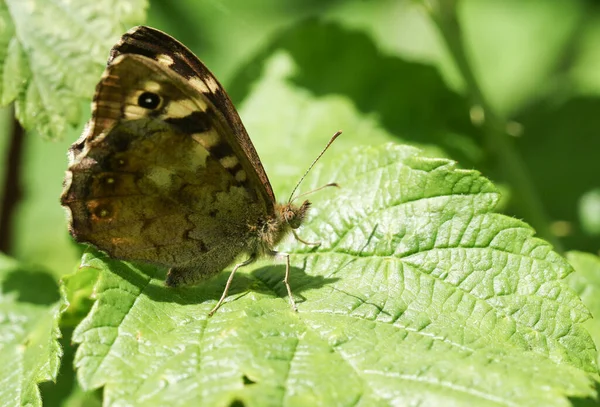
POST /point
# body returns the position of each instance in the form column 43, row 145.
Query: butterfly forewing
column 176, row 57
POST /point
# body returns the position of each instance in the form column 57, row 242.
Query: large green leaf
column 51, row 55
column 30, row 307
column 418, row 294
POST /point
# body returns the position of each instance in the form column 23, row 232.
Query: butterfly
column 165, row 172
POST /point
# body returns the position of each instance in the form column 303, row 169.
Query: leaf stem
column 498, row 141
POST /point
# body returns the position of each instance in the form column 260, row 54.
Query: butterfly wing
column 175, row 56
column 158, row 175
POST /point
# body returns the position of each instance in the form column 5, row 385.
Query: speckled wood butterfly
column 165, row 172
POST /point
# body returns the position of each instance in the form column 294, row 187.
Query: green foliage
column 415, row 277
column 426, row 290
column 30, row 308
column 48, row 67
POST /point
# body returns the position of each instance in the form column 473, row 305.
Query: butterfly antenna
column 336, row 135
column 331, row 184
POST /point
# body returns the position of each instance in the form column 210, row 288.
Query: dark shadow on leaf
column 410, row 98
column 137, row 273
column 237, row 403
column 247, row 381
column 270, row 278
column 32, row 286
column 209, row 290
column 587, row 401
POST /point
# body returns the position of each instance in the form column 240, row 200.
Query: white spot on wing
column 196, row 157
column 151, row 86
column 212, row 84
column 165, row 59
column 207, row 139
column 133, row 112
column 184, row 107
column 229, row 162
column 199, row 84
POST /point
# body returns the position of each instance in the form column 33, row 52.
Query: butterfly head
column 294, row 215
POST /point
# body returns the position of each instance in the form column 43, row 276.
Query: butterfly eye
column 149, row 100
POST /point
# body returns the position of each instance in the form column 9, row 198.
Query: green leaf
column 586, row 282
column 418, row 294
column 47, row 68
column 30, row 307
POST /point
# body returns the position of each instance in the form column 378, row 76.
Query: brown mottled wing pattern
column 166, row 50
column 157, row 176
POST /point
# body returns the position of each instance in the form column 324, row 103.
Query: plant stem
column 498, row 142
column 11, row 193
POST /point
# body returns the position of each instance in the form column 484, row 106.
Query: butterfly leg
column 298, row 238
column 286, row 279
column 228, row 284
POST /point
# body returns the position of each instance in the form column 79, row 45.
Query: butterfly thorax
column 275, row 227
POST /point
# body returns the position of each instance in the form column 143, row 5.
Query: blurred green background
column 536, row 62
